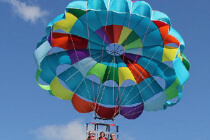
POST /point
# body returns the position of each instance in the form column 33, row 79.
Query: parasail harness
column 98, row 125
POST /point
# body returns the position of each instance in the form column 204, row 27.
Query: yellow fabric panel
column 125, row 74
column 169, row 53
column 59, row 91
column 135, row 44
column 66, row 24
column 124, row 34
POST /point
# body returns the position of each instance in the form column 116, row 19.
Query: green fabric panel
column 98, row 70
column 77, row 12
column 186, row 62
column 172, row 92
column 135, row 44
column 132, row 37
column 45, row 87
column 111, row 74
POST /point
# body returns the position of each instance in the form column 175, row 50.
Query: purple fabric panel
column 132, row 112
column 78, row 55
column 50, row 38
column 100, row 32
column 133, row 57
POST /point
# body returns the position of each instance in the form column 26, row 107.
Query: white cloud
column 71, row 131
column 30, row 13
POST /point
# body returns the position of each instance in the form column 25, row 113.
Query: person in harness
column 91, row 136
column 102, row 136
column 112, row 135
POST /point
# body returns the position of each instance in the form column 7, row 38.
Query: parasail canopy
column 113, row 57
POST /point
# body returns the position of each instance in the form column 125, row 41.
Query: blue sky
column 29, row 113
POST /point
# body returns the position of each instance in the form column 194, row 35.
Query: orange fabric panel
column 139, row 73
column 81, row 105
column 106, row 113
column 170, row 39
column 164, row 31
column 68, row 42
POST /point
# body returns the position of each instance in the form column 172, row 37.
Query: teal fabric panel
column 155, row 103
column 157, row 15
column 181, row 71
column 105, row 17
column 50, row 63
column 175, row 34
column 92, row 20
column 72, row 77
column 155, row 53
column 148, row 88
column 41, row 52
column 142, row 8
column 153, row 38
column 120, row 6
column 129, row 95
column 87, row 89
column 77, row 5
column 98, row 4
column 119, row 18
column 107, row 95
column 132, row 20
column 80, row 29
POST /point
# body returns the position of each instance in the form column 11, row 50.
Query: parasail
column 120, row 57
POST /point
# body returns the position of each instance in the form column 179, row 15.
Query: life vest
column 104, row 138
column 91, row 138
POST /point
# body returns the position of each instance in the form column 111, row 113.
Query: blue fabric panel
column 181, row 71
column 157, row 15
column 98, row 4
column 72, row 77
column 142, row 8
column 92, row 20
column 155, row 52
column 152, row 39
column 80, row 29
column 132, row 20
column 107, row 59
column 88, row 90
column 105, row 20
column 174, row 33
column 129, row 95
column 77, row 5
column 107, row 95
column 41, row 42
column 119, row 18
column 148, row 88
column 166, row 73
column 120, row 62
column 120, row 6
column 145, row 26
column 50, row 63
column 149, row 65
column 94, row 46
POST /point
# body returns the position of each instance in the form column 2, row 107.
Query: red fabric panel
column 109, row 32
column 139, row 73
column 160, row 23
column 106, row 113
column 113, row 32
column 81, row 105
column 117, row 32
column 68, row 42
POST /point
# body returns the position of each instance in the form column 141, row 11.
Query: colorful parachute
column 117, row 57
